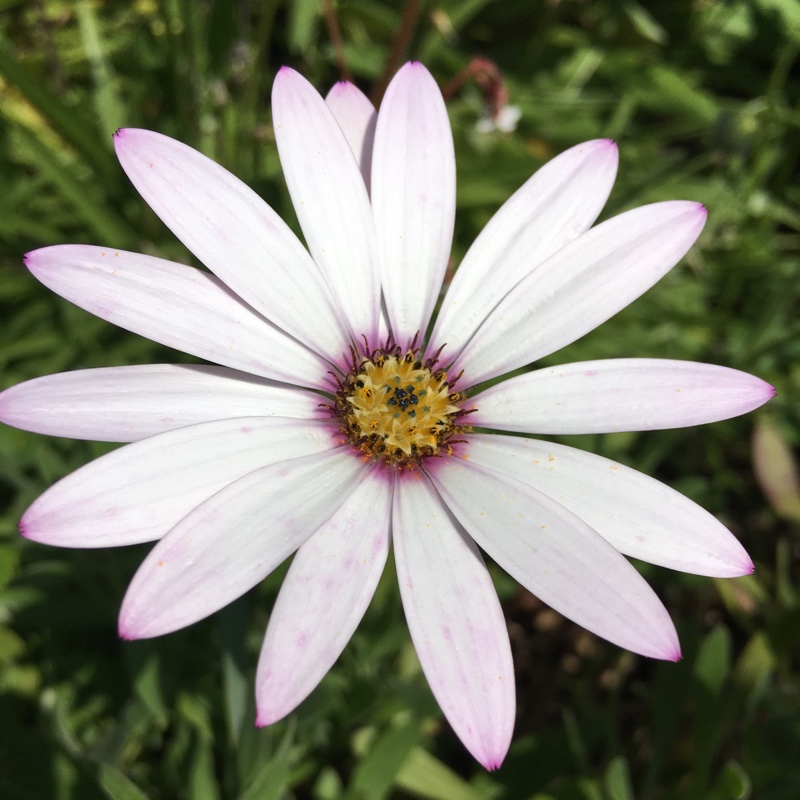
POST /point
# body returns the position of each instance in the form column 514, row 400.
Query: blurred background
column 702, row 97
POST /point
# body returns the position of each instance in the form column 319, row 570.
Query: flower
column 504, row 120
column 333, row 420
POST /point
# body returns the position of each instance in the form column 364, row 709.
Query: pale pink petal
column 581, row 286
column 178, row 306
column 233, row 540
column 236, row 235
column 323, row 598
column 639, row 516
column 330, row 199
column 555, row 206
column 557, row 557
column 624, row 394
column 356, row 117
column 413, row 197
column 137, row 493
column 123, row 404
column 455, row 620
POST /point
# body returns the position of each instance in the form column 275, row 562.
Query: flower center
column 396, row 409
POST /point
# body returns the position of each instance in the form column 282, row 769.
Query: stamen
column 395, row 408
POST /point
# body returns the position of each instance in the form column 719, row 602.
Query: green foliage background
column 701, row 97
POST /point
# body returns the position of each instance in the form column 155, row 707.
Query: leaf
column 236, row 687
column 776, row 469
column 273, row 778
column 713, row 663
column 105, row 223
column 733, row 783
column 645, row 23
column 148, row 684
column 788, row 12
column 69, row 124
column 375, row 775
column 202, row 780
column 425, row 776
column 672, row 89
column 110, row 111
column 303, row 17
column 118, row 786
column 618, row 780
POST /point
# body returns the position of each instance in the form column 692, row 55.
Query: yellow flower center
column 398, row 410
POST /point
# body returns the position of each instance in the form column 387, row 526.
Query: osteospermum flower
column 340, row 416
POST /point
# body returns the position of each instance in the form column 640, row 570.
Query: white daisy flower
column 336, row 424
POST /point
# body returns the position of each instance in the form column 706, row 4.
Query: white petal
column 137, row 493
column 175, row 305
column 236, row 235
column 123, row 404
column 413, row 197
column 330, row 199
column 625, row 394
column 233, row 540
column 356, row 117
column 639, row 516
column 581, row 286
column 555, row 206
column 557, row 557
column 455, row 621
column 323, row 598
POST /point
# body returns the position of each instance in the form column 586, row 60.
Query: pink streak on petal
column 323, row 598
column 455, row 621
column 125, row 633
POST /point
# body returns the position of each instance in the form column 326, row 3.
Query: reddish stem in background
column 335, row 35
column 410, row 14
column 487, row 78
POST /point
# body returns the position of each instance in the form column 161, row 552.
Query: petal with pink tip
column 124, row 404
column 323, row 598
column 330, row 198
column 455, row 620
column 555, row 206
column 640, row 516
column 137, row 493
column 623, row 394
column 413, row 197
column 581, row 286
column 178, row 306
column 236, row 235
column 356, row 117
column 234, row 540
column 557, row 557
